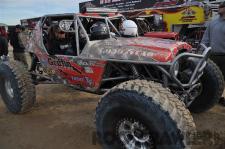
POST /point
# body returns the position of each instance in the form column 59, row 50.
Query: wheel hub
column 9, row 89
column 134, row 135
column 138, row 134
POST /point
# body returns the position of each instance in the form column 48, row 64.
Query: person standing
column 3, row 44
column 18, row 47
column 214, row 37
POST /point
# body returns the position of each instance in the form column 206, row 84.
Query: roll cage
column 75, row 25
column 79, row 26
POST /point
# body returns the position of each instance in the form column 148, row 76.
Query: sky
column 12, row 11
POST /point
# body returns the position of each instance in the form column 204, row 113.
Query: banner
column 124, row 5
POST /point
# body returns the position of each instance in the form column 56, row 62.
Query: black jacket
column 16, row 43
column 3, row 46
column 60, row 47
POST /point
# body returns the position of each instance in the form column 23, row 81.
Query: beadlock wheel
column 16, row 88
column 9, row 89
column 133, row 134
column 139, row 114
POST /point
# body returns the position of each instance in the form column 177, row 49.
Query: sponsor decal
column 124, row 5
column 188, row 15
column 86, row 63
column 88, row 70
column 87, row 80
column 62, row 63
column 132, row 52
column 109, row 1
column 66, row 25
column 49, row 71
column 90, row 63
column 80, row 79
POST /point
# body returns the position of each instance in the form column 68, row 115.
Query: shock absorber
column 135, row 71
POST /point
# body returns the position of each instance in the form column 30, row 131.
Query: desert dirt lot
column 64, row 119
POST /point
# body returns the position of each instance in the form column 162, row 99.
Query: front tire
column 16, row 88
column 139, row 114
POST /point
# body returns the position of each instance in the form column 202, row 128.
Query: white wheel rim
column 127, row 132
column 9, row 89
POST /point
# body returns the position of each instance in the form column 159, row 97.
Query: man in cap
column 215, row 37
column 18, row 47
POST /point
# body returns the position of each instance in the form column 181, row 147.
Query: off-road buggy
column 148, row 83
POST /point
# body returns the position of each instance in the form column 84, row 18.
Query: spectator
column 215, row 37
column 18, row 47
column 3, row 44
column 3, row 32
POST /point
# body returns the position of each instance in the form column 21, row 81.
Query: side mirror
column 67, row 25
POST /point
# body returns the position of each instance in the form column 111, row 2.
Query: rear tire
column 145, row 113
column 212, row 89
column 16, row 88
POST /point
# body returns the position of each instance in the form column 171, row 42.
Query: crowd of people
column 14, row 38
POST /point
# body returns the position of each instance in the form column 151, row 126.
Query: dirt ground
column 64, row 119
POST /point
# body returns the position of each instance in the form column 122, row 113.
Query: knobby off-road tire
column 16, row 88
column 212, row 89
column 141, row 111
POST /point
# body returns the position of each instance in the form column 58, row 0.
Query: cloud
column 12, row 11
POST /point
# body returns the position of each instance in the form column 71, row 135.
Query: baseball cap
column 19, row 26
column 222, row 5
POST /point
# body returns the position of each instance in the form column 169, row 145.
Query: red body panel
column 164, row 50
column 136, row 49
column 82, row 73
column 73, row 71
column 164, row 35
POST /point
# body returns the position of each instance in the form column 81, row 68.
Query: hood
column 139, row 49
